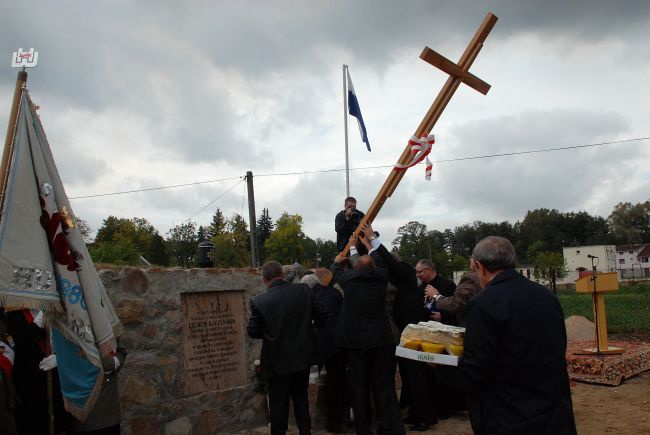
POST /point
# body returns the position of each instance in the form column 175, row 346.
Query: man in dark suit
column 282, row 317
column 514, row 367
column 364, row 331
column 429, row 277
column 330, row 356
column 407, row 310
column 346, row 221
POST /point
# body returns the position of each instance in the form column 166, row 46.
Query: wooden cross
column 458, row 73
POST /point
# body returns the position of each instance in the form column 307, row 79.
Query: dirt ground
column 624, row 409
column 598, row 409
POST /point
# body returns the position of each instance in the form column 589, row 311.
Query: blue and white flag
column 354, row 110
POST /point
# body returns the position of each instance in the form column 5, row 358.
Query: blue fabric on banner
column 355, row 110
column 76, row 373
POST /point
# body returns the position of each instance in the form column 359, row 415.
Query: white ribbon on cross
column 420, row 149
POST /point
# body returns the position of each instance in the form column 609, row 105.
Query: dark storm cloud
column 509, row 186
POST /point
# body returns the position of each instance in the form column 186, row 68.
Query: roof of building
column 645, row 252
column 631, row 247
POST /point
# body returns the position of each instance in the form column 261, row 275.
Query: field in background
column 628, row 310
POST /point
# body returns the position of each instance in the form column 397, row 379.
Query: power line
column 545, row 150
column 241, row 179
column 153, row 188
column 457, row 159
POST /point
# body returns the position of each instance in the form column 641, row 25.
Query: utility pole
column 255, row 259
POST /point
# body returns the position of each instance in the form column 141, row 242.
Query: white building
column 632, row 261
column 581, row 257
column 526, row 270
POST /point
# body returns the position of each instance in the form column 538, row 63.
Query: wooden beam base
column 594, row 351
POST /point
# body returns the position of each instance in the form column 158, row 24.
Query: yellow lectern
column 597, row 285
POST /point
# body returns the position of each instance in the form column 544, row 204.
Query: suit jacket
column 455, row 304
column 363, row 322
column 446, row 288
column 514, row 366
column 282, row 318
column 408, row 300
column 345, row 228
column 332, row 299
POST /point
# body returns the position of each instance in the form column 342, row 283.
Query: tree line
column 538, row 239
column 122, row 241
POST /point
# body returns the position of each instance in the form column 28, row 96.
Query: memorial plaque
column 214, row 356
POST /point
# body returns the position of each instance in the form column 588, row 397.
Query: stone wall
column 148, row 301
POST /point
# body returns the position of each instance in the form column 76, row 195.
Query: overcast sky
column 144, row 94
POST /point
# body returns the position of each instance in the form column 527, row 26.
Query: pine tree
column 264, row 229
column 218, row 224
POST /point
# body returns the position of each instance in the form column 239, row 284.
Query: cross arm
column 441, row 62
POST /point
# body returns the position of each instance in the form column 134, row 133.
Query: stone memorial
column 214, row 355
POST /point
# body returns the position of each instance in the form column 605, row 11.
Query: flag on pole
column 45, row 265
column 355, row 110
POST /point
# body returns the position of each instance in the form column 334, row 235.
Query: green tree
column 413, row 242
column 227, row 254
column 464, row 240
column 264, row 229
column 218, row 224
column 200, row 234
column 122, row 241
column 232, row 244
column 182, row 244
column 319, row 252
column 548, row 264
column 158, row 251
column 121, row 252
column 580, row 228
column 286, row 243
column 630, row 223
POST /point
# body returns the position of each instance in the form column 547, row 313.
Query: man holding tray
column 514, row 367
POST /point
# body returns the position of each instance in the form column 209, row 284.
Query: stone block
column 109, row 277
column 166, row 361
column 180, row 426
column 169, row 376
column 137, row 390
column 208, row 423
column 144, row 424
column 134, row 281
column 149, row 330
column 131, row 310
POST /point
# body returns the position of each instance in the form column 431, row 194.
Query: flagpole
column 21, row 81
column 345, row 127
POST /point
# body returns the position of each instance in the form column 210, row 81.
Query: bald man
column 363, row 329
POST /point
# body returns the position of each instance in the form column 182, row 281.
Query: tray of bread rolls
column 432, row 342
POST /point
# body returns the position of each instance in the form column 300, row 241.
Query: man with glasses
column 430, row 280
column 514, row 367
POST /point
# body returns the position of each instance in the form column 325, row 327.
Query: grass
column 628, row 310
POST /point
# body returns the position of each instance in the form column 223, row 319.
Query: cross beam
column 458, row 73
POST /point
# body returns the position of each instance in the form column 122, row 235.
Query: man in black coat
column 514, row 367
column 346, row 221
column 282, row 317
column 429, row 277
column 407, row 310
column 364, row 331
column 330, row 356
